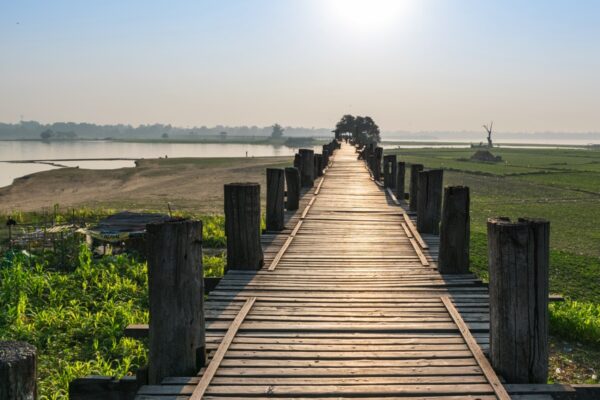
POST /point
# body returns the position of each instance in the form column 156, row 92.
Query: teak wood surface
column 349, row 303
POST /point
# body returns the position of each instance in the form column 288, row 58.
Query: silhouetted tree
column 277, row 131
column 363, row 129
column 489, row 132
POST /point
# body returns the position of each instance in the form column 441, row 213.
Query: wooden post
column 176, row 330
column 377, row 161
column 297, row 161
column 455, row 230
column 242, row 226
column 429, row 201
column 400, row 173
column 325, row 157
column 292, row 180
column 319, row 165
column 389, row 171
column 414, row 185
column 518, row 254
column 275, row 199
column 18, row 371
column 307, row 168
column 371, row 163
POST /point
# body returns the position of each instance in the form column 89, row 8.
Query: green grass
column 75, row 319
column 560, row 185
column 75, row 314
column 577, row 321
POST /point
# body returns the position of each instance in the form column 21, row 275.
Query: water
column 95, row 154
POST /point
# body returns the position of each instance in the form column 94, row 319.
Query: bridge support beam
column 292, row 180
column 176, row 331
column 455, row 231
column 390, row 169
column 414, row 185
column 275, row 199
column 429, row 201
column 307, row 167
column 518, row 254
column 400, row 186
column 242, row 226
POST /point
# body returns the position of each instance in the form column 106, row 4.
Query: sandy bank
column 188, row 183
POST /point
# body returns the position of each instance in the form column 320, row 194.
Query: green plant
column 75, row 319
column 576, row 320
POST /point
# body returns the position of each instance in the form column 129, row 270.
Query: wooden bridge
column 349, row 303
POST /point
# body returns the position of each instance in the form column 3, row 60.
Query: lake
column 98, row 151
column 94, row 154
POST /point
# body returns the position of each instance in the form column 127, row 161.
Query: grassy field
column 562, row 186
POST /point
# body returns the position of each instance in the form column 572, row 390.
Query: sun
column 367, row 15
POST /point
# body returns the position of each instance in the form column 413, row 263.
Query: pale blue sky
column 413, row 65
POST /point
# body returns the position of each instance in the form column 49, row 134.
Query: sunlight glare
column 367, row 15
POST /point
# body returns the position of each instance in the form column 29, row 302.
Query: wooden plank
column 214, row 364
column 277, row 258
column 483, row 362
column 319, row 186
column 422, row 257
column 414, row 231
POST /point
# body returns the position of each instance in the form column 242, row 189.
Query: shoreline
column 303, row 141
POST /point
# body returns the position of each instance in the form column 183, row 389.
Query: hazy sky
column 410, row 64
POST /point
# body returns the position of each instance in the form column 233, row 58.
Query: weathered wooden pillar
column 414, row 185
column 292, row 180
column 429, row 201
column 325, row 157
column 275, row 199
column 389, row 171
column 378, row 162
column 518, row 254
column 455, row 230
column 297, row 161
column 175, row 285
column 371, row 162
column 18, row 371
column 319, row 164
column 242, row 226
column 400, row 173
column 307, row 167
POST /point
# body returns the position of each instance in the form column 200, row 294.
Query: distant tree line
column 65, row 130
column 49, row 134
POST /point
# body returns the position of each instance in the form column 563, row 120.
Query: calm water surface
column 81, row 150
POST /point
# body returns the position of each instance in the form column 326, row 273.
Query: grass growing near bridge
column 75, row 314
column 560, row 185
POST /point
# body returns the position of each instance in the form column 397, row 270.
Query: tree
column 165, row 135
column 223, row 135
column 489, row 132
column 47, row 134
column 362, row 129
column 277, row 131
